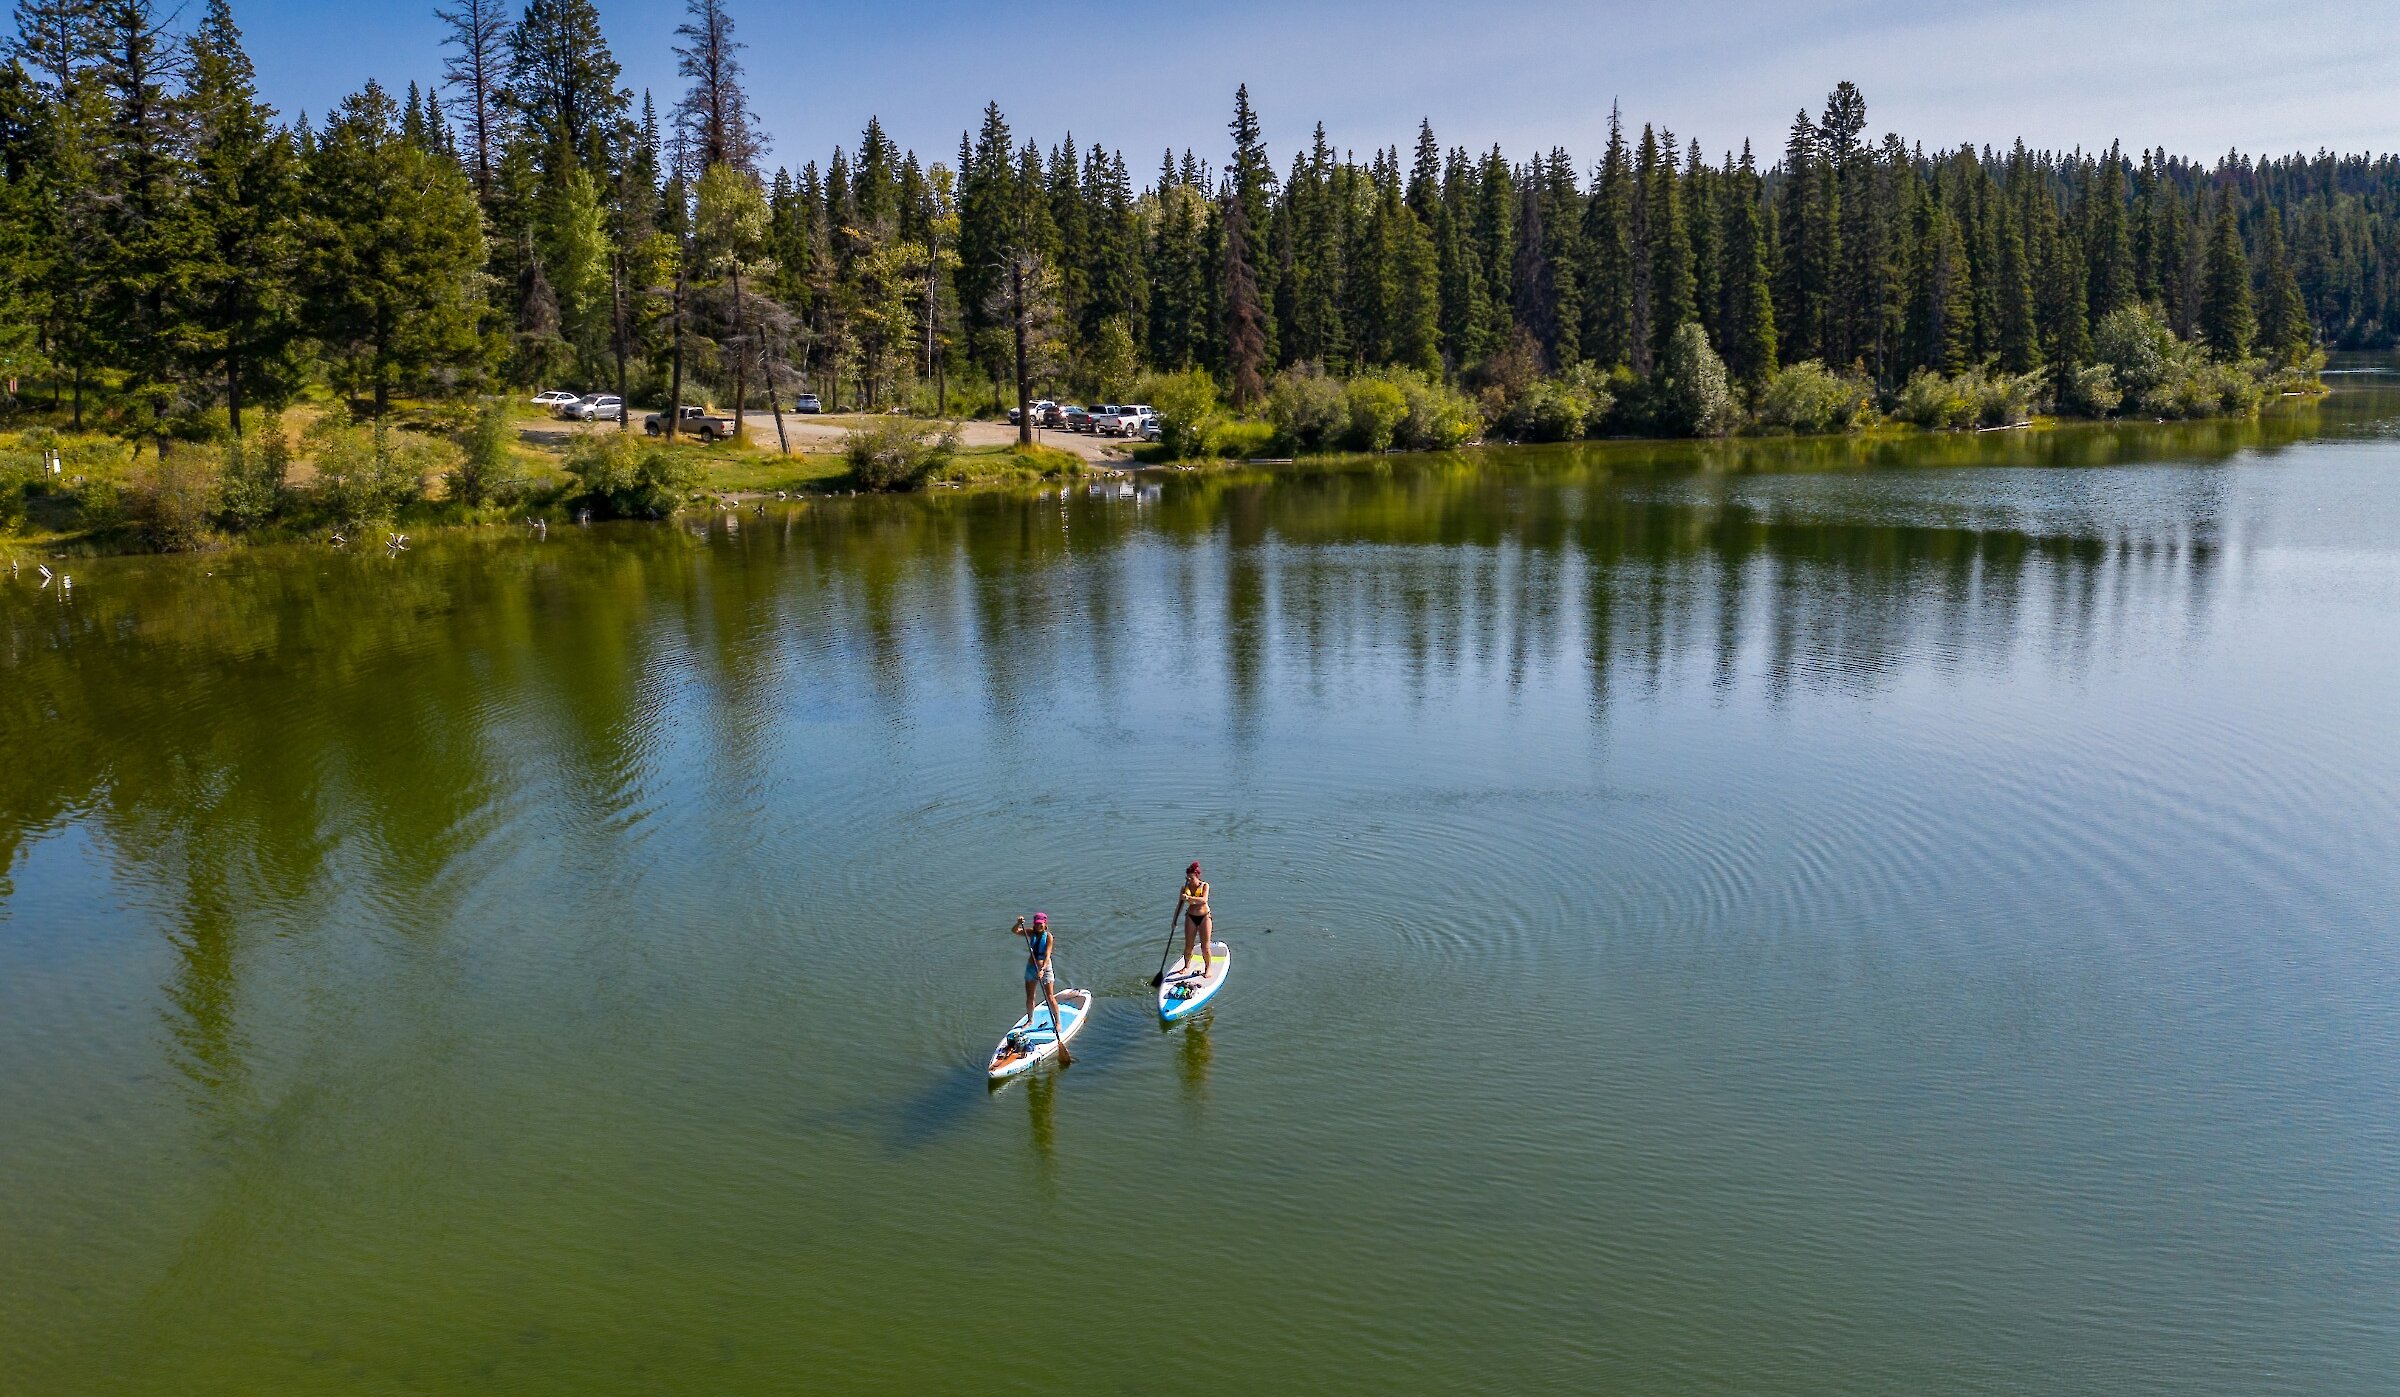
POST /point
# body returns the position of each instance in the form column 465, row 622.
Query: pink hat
column 1041, row 919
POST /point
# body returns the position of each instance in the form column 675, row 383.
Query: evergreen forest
column 178, row 257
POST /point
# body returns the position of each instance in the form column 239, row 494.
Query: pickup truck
column 1124, row 420
column 691, row 421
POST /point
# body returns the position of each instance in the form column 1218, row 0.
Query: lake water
column 1824, row 917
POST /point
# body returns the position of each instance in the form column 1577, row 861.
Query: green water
column 1906, row 917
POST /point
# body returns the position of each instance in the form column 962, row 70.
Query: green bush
column 366, row 475
column 1241, row 440
column 1377, row 409
column 2142, row 354
column 1310, row 411
column 1976, row 398
column 20, row 474
column 1188, row 410
column 173, row 498
column 2091, row 391
column 1696, row 396
column 99, row 502
column 1561, row 408
column 251, row 488
column 898, row 453
column 1439, row 416
column 487, row 469
column 1808, row 397
column 628, row 478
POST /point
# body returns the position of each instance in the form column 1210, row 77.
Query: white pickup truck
column 1125, row 421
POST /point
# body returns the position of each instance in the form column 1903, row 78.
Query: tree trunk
column 616, row 296
column 933, row 330
column 233, row 393
column 1016, row 289
column 674, row 412
column 741, row 355
column 775, row 405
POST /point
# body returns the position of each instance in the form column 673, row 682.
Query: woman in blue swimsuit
column 1040, row 949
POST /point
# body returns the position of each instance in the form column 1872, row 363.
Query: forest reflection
column 265, row 736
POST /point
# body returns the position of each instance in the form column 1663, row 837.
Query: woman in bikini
column 1040, row 973
column 1198, row 923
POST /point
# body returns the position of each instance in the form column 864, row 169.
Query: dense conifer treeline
column 177, row 254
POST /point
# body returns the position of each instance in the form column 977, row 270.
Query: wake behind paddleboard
column 1032, row 1040
column 1182, row 991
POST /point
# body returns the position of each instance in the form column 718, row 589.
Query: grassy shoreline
column 71, row 518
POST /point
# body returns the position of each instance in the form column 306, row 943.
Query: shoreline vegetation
column 219, row 324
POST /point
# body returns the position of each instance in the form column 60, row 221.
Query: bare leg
column 1058, row 1026
column 1208, row 932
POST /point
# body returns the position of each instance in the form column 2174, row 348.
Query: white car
column 556, row 399
column 1124, row 420
column 600, row 407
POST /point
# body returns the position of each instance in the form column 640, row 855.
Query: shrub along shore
column 328, row 473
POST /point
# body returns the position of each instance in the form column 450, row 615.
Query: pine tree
column 478, row 42
column 1253, row 179
column 1495, row 242
column 2106, row 238
column 1562, row 228
column 987, row 232
column 58, row 193
column 714, row 114
column 147, row 239
column 1942, row 310
column 1700, row 211
column 2227, row 323
column 1608, row 254
column 563, row 78
column 1747, row 284
column 1533, row 294
column 2283, row 328
column 2016, row 340
column 395, row 253
column 242, row 311
column 1466, row 312
column 2060, row 308
column 1414, row 307
column 1810, row 244
column 1245, row 315
column 1673, row 299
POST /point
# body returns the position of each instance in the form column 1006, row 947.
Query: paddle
column 1172, row 928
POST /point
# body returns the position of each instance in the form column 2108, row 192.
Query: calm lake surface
column 1826, row 917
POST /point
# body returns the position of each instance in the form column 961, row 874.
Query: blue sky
column 2199, row 76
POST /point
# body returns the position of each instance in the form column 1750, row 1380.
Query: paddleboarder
column 1198, row 923
column 1041, row 947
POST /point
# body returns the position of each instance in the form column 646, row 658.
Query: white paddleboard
column 1184, row 989
column 1032, row 1040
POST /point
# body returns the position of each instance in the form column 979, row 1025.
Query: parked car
column 691, row 421
column 1074, row 419
column 556, row 399
column 1041, row 408
column 807, row 402
column 1095, row 416
column 600, row 407
column 1151, row 431
column 1122, row 420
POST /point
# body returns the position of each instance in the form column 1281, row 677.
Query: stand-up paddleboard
column 1032, row 1039
column 1184, row 989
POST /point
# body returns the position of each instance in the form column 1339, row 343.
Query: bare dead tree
column 478, row 44
column 714, row 114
